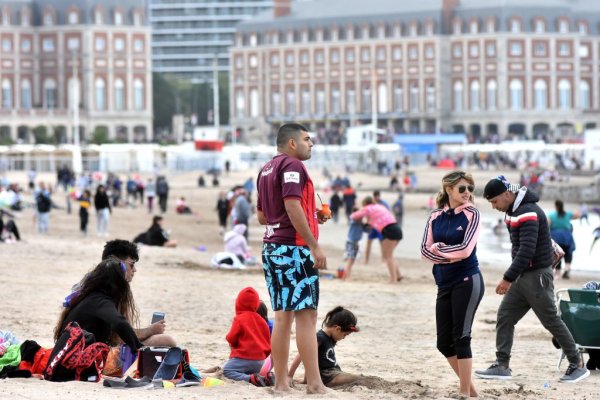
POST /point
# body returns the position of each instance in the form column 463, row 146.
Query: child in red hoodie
column 249, row 340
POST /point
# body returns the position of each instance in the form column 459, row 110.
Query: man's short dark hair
column 121, row 249
column 156, row 218
column 376, row 193
column 287, row 132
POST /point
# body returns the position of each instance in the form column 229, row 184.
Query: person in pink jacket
column 384, row 222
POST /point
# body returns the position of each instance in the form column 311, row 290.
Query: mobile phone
column 158, row 316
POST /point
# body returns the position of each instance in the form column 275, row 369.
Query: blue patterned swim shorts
column 292, row 280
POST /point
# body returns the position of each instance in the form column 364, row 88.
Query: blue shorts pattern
column 292, row 280
column 375, row 234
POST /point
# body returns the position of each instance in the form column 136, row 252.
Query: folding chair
column 581, row 315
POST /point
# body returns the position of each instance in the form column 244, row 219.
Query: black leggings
column 454, row 313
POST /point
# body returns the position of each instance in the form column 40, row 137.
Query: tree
column 100, row 135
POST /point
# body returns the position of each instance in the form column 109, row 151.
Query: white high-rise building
column 189, row 36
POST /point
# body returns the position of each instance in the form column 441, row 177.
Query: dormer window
column 73, row 17
column 24, row 18
column 98, row 17
column 456, row 27
column 118, row 18
column 563, row 26
column 515, row 26
column 6, row 18
column 48, row 19
column 474, row 27
column 540, row 26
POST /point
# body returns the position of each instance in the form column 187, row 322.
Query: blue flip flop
column 170, row 364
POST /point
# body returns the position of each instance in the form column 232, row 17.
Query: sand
column 397, row 338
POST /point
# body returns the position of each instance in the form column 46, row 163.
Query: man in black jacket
column 528, row 282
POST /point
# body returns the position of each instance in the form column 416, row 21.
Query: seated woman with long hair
column 103, row 306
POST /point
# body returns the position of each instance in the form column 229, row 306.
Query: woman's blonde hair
column 450, row 180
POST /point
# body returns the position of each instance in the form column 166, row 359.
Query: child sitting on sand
column 338, row 324
column 250, row 342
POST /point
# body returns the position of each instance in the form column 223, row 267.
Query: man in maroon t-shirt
column 291, row 254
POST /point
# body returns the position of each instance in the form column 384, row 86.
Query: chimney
column 281, row 8
column 448, row 7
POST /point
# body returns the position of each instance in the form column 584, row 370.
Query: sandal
column 566, row 275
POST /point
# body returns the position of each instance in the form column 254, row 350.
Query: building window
column 475, row 99
column 6, row 94
column 138, row 46
column 412, row 30
column 381, row 54
column 73, row 17
column 304, row 57
column 119, row 44
column 275, row 103
column 240, row 104
column 254, row 110
column 515, row 26
column 474, row 27
column 490, row 49
column 335, row 101
column 540, row 97
column 305, row 102
column 429, row 53
column 100, row 94
column 474, row 50
column 564, row 94
column 351, row 101
column 413, row 52
column 491, row 94
column 98, row 17
column 320, row 102
column 457, row 28
column 6, row 45
column 398, row 98
column 138, row 95
column 540, row 49
column 50, row 94
column 335, row 56
column 349, row 55
column 274, row 60
column 382, row 98
column 290, row 102
column 73, row 93
column 289, row 59
column 319, row 57
column 584, row 95
column 25, row 19
column 366, row 99
column 584, row 51
column 397, row 53
column 25, row 94
column 365, row 55
column 540, row 26
column 583, row 28
column 414, row 98
column 118, row 18
column 73, row 43
column 516, row 48
column 563, row 26
column 137, row 19
column 48, row 45
column 457, row 50
column 430, row 99
column 564, row 49
column 25, row 45
column 491, row 26
column 48, row 19
column 458, row 96
column 119, row 95
column 100, row 43
column 516, row 95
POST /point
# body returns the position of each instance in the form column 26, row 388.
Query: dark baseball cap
column 495, row 187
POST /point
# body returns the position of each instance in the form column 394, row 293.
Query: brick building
column 60, row 55
column 484, row 67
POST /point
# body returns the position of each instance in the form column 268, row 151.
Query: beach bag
column 150, row 359
column 76, row 356
column 557, row 253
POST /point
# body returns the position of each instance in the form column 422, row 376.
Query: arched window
column 515, row 26
column 98, row 16
column 48, row 18
column 119, row 94
column 138, row 95
column 100, row 94
column 275, row 103
column 73, row 94
column 351, row 101
column 366, row 99
column 6, row 17
column 430, row 98
column 254, row 103
column 336, row 107
column 382, row 98
column 540, row 26
column 398, row 98
column 118, row 18
column 73, row 17
column 540, row 96
column 584, row 95
column 492, row 90
column 305, row 102
column 25, row 94
column 475, row 98
column 516, row 94
column 414, row 97
column 6, row 94
column 458, row 96
column 50, row 98
column 564, row 94
column 320, row 101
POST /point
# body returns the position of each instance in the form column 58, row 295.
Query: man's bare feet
column 321, row 389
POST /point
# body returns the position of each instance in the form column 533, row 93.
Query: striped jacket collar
column 458, row 209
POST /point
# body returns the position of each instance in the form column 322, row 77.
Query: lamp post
column 76, row 152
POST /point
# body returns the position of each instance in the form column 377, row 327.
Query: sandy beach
column 397, row 338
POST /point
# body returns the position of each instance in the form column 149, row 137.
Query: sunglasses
column 470, row 188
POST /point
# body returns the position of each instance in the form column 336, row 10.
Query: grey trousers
column 239, row 369
column 532, row 290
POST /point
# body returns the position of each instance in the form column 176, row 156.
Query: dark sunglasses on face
column 470, row 188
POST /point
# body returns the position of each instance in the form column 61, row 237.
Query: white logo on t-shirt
column 291, row 177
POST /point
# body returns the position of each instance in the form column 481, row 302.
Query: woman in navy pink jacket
column 449, row 242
